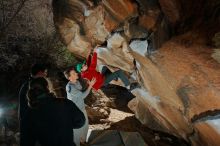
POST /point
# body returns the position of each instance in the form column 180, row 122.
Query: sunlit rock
column 94, row 25
column 134, row 31
column 115, row 59
column 171, row 8
column 216, row 55
column 139, row 46
column 150, row 20
column 179, row 77
column 153, row 112
column 76, row 43
column 209, row 132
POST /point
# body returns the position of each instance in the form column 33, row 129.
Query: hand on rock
column 96, row 48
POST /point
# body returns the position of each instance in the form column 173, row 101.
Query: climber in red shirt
column 88, row 71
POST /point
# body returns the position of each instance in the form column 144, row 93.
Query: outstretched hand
column 96, row 48
column 91, row 51
column 92, row 82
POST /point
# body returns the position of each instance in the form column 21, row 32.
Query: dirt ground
column 115, row 115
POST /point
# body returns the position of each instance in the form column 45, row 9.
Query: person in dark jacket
column 37, row 70
column 49, row 120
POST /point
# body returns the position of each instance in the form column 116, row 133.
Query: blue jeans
column 109, row 76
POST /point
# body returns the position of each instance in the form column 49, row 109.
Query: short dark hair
column 38, row 87
column 67, row 72
column 36, row 68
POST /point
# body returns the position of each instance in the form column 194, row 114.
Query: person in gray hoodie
column 77, row 95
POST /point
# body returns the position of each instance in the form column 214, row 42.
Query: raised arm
column 77, row 93
column 93, row 61
column 88, row 61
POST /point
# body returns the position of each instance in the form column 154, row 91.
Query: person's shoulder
column 26, row 82
column 24, row 86
column 63, row 100
column 59, row 102
column 68, row 104
column 68, row 85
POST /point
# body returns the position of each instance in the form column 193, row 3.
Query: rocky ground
column 107, row 109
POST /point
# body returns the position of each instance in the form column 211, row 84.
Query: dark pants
column 109, row 76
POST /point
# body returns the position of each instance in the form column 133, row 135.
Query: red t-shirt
column 91, row 72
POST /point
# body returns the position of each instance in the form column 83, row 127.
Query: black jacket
column 23, row 103
column 52, row 123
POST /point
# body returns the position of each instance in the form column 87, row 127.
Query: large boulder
column 90, row 25
column 179, row 78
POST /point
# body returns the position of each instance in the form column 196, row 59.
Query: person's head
column 38, row 89
column 71, row 74
column 38, row 70
column 84, row 67
column 81, row 67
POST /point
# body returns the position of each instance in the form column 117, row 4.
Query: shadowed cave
column 170, row 47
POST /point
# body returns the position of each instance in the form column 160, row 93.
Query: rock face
column 165, row 46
